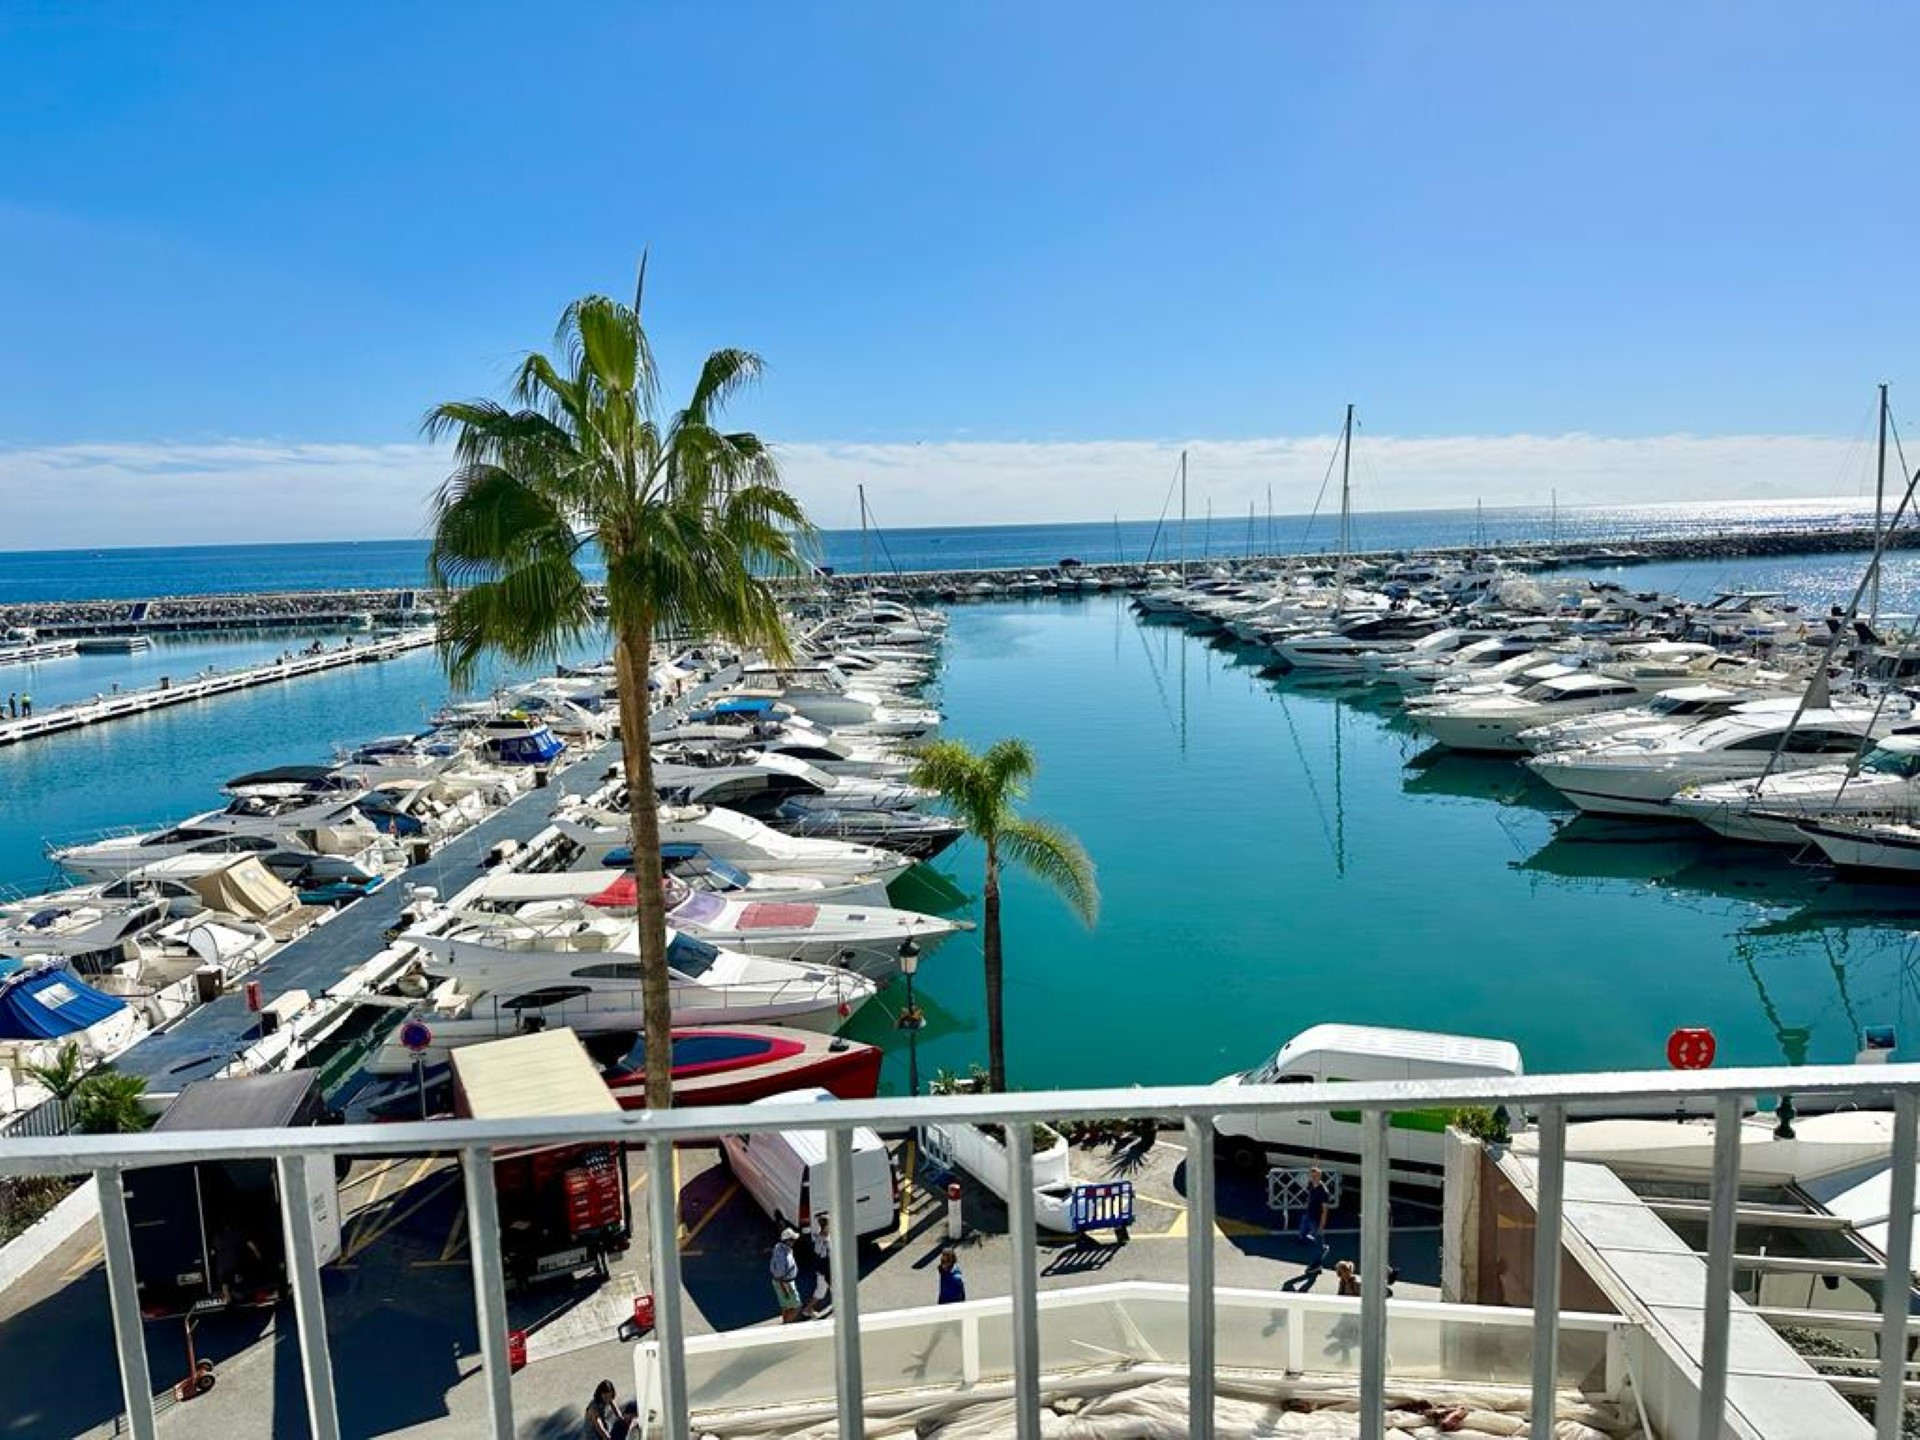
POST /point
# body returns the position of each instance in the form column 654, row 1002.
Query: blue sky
column 1083, row 235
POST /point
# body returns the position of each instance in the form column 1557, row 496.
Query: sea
column 1272, row 853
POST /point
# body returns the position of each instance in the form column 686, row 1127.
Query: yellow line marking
column 1140, row 1199
column 1222, row 1228
column 88, row 1258
column 687, row 1236
column 906, row 1192
column 639, row 1179
column 397, row 1217
column 456, row 1236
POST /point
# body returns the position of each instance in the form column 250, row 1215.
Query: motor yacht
column 738, row 839
column 1638, row 776
column 1882, row 787
column 759, row 784
column 325, row 824
column 1666, row 713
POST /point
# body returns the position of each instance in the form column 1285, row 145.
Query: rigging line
column 1159, row 524
column 1306, row 771
column 1325, row 480
column 885, row 550
column 1158, row 684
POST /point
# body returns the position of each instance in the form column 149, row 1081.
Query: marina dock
column 103, row 709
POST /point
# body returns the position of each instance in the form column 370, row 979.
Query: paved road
column 401, row 1318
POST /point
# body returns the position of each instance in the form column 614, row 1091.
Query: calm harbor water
column 1272, row 854
column 1276, row 854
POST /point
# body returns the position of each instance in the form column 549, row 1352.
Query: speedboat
column 1638, row 776
column 692, row 865
column 1667, row 713
column 738, row 839
column 920, row 836
column 759, row 784
column 1884, row 787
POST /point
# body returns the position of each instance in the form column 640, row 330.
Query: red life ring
column 1691, row 1049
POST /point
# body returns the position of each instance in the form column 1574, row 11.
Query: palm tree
column 981, row 789
column 108, row 1103
column 63, row 1076
column 689, row 520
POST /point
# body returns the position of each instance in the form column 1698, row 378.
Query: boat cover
column 778, row 915
column 47, row 1000
column 246, row 889
column 622, row 894
column 757, row 705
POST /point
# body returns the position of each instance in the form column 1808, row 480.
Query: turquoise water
column 1275, row 854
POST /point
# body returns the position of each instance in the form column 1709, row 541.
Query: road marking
column 1226, row 1229
column 906, row 1193
column 396, row 1217
column 90, row 1257
column 456, row 1235
column 687, row 1235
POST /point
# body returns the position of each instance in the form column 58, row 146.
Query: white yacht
column 824, row 695
column 1891, row 847
column 1638, row 777
column 736, row 838
column 1494, row 721
column 594, row 990
column 869, row 938
column 1884, row 788
column 757, row 783
column 1666, row 713
column 324, row 824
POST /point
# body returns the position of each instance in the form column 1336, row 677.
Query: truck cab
column 1332, row 1054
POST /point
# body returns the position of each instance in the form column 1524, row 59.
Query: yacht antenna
column 866, row 564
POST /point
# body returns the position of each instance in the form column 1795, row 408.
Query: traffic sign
column 416, row 1036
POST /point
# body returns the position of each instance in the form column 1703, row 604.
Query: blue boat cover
column 47, row 1000
column 757, row 706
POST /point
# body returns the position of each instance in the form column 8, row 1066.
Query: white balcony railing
column 1547, row 1099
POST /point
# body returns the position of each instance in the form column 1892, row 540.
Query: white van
column 786, row 1173
column 1329, row 1054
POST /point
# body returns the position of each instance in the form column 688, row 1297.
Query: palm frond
column 1009, row 765
column 1056, row 858
column 534, row 611
column 955, row 771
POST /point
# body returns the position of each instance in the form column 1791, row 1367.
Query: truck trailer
column 208, row 1234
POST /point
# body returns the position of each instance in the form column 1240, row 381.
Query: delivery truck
column 563, row 1208
column 208, row 1234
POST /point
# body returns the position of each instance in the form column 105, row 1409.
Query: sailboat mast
column 1183, row 516
column 1553, row 524
column 1346, row 511
column 1879, row 509
column 866, row 565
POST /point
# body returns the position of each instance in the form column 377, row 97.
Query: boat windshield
column 699, row 908
column 689, row 957
column 1882, row 761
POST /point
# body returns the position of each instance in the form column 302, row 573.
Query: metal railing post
column 1026, row 1281
column 844, row 1262
column 129, row 1330
column 1550, row 1183
column 1717, row 1303
column 1896, row 1295
column 489, row 1284
column 1374, row 1202
column 1200, row 1311
column 669, row 1327
column 309, row 1307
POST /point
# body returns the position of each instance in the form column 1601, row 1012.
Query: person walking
column 1313, row 1216
column 26, row 706
column 784, row 1271
column 953, row 1285
column 820, row 1293
column 604, row 1420
column 13, row 705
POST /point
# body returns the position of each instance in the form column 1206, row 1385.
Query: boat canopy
column 246, row 888
column 750, row 705
column 47, row 1000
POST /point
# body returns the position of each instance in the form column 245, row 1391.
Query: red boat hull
column 735, row 1064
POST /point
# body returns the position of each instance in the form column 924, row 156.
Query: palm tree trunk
column 995, row 974
column 634, row 659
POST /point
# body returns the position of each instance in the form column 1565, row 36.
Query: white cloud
column 165, row 493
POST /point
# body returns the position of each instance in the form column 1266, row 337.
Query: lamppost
column 911, row 1020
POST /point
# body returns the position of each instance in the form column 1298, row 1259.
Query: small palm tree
column 108, row 1103
column 64, row 1075
column 981, row 789
column 689, row 520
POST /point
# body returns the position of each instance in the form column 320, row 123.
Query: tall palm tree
column 689, row 520
column 981, row 789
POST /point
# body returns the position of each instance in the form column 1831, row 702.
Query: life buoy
column 1691, row 1049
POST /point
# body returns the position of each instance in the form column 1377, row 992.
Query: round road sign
column 415, row 1036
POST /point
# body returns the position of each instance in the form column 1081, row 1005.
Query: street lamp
column 911, row 1020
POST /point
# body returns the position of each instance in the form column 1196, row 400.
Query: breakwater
column 121, row 704
column 190, row 614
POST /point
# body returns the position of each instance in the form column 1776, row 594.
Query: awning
column 246, row 889
column 47, row 1000
column 622, row 894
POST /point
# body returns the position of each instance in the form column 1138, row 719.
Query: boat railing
column 1193, row 1110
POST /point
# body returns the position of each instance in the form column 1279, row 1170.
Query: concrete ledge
column 47, row 1234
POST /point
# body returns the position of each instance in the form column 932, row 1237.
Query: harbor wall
column 185, row 614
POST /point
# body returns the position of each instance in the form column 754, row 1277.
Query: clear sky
column 1002, row 259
